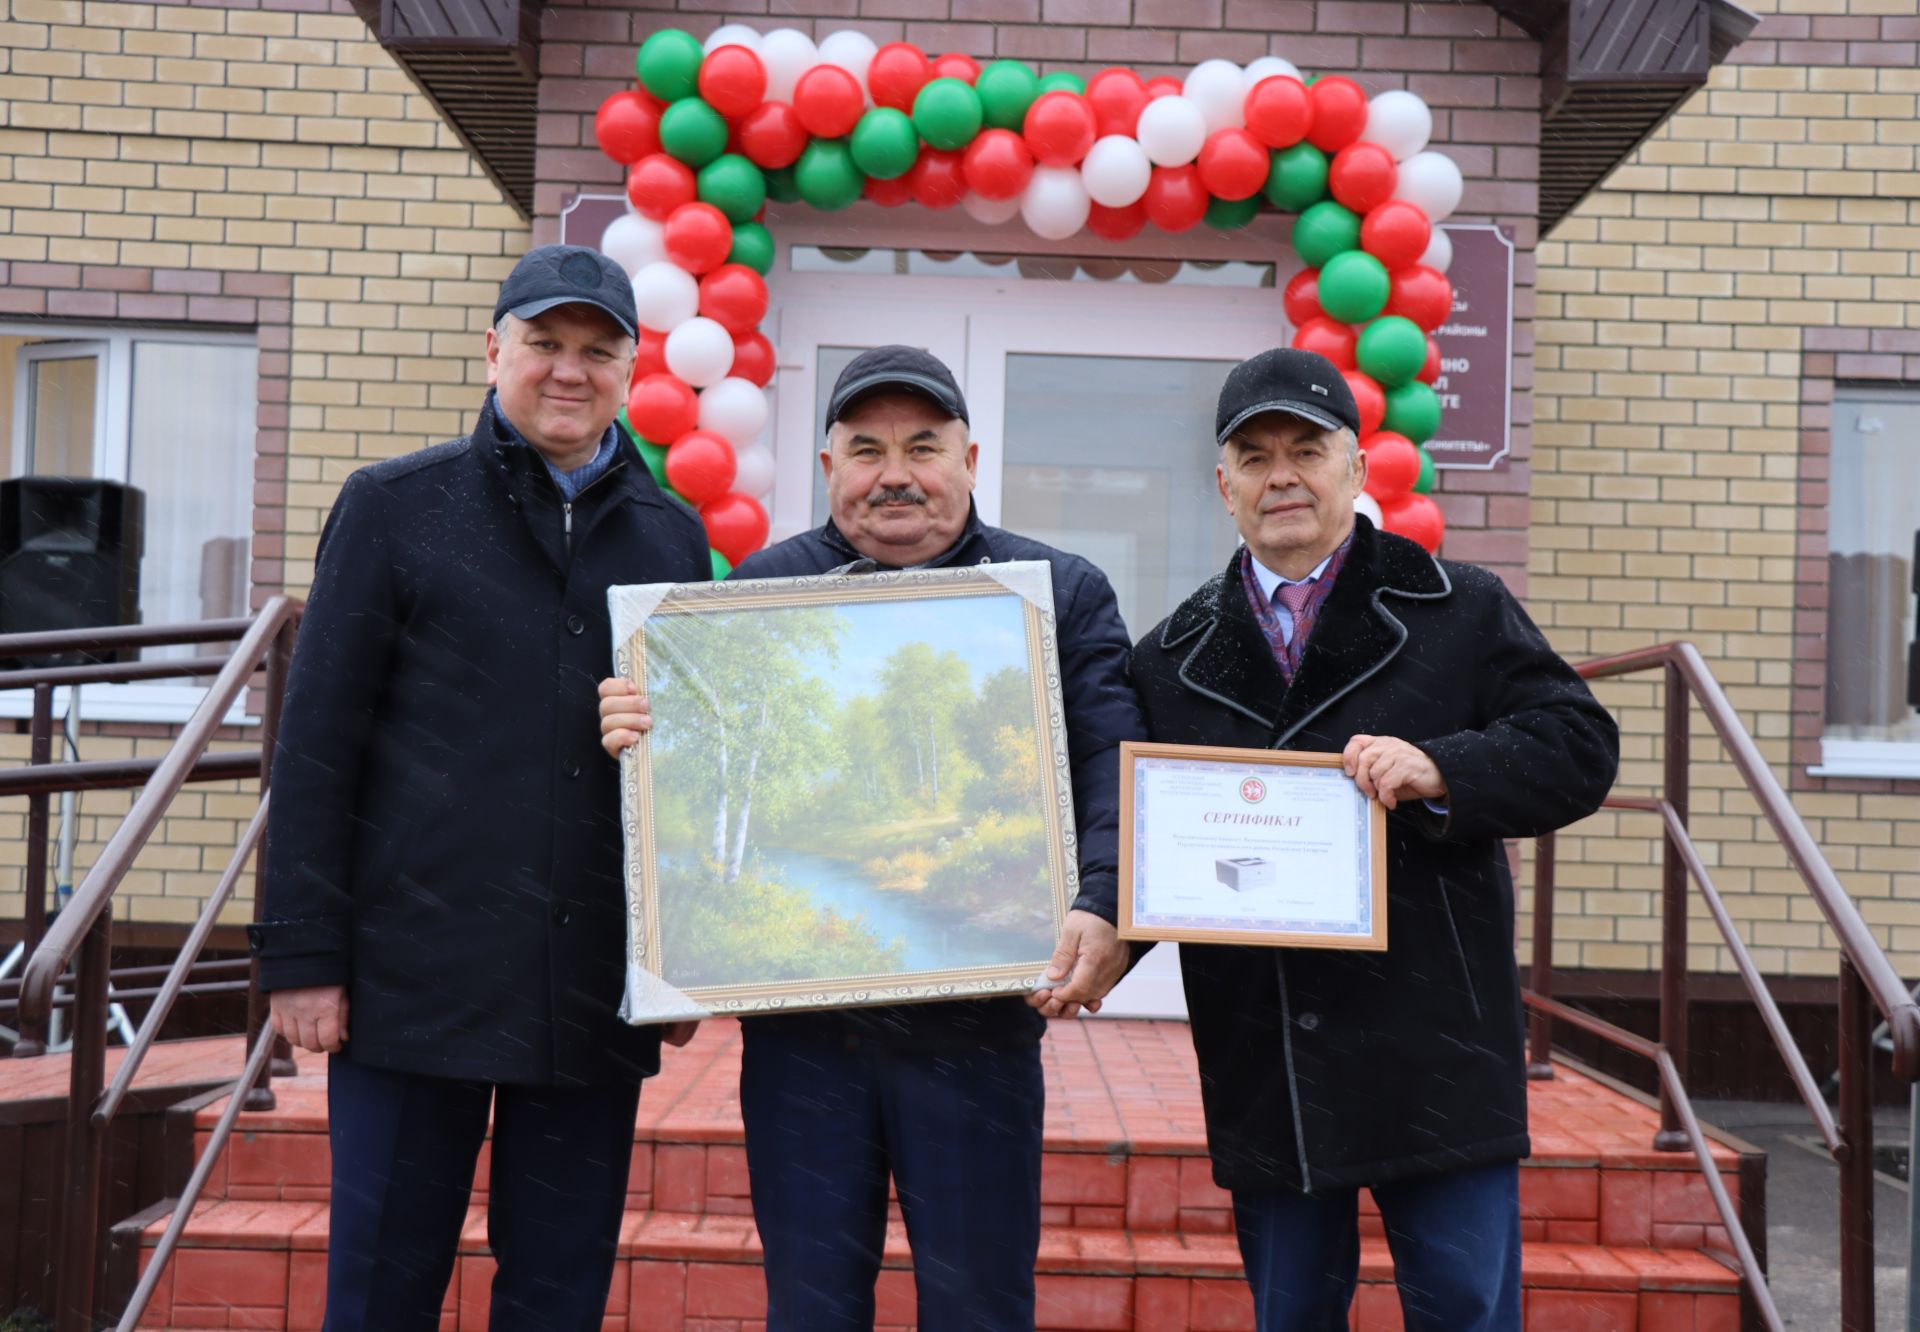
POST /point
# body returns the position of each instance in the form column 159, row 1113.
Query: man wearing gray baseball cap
column 444, row 910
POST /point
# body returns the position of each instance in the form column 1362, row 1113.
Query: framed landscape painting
column 855, row 790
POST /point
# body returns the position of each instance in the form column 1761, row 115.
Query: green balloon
column 1297, row 178
column 693, row 132
column 655, row 457
column 826, row 175
column 752, row 246
column 1226, row 214
column 669, row 64
column 1429, row 478
column 947, row 113
column 733, row 185
column 1413, row 410
column 721, row 566
column 782, row 186
column 1392, row 350
column 884, row 143
column 1007, row 88
column 1354, row 287
column 1060, row 79
column 1324, row 230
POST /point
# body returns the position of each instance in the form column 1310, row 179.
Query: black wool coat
column 444, row 830
column 1329, row 1069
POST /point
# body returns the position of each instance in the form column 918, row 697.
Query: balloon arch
column 714, row 130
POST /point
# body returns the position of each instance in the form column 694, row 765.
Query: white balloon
column 852, row 51
column 665, row 296
column 1171, row 129
column 787, row 53
column 1439, row 252
column 1433, row 181
column 1367, row 504
column 734, row 408
column 1267, row 67
column 633, row 242
column 700, row 351
column 1055, row 203
column 1399, row 122
column 1218, row 88
column 990, row 212
column 731, row 34
column 753, row 470
column 1116, row 171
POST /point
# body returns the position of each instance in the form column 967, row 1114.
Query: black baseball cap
column 1285, row 379
column 896, row 367
column 555, row 275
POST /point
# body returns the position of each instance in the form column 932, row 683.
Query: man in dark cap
column 945, row 1097
column 1324, row 1071
column 444, row 909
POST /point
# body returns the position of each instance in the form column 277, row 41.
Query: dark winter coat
column 444, row 835
column 1100, row 712
column 1350, row 1068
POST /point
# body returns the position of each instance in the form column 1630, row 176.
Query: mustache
column 1287, row 497
column 896, row 495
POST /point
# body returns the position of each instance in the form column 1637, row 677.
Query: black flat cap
column 896, row 367
column 556, row 275
column 1299, row 383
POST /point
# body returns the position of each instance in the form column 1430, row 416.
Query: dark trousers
column 1455, row 1240
column 960, row 1134
column 404, row 1149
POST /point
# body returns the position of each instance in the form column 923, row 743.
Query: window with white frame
column 172, row 413
column 1872, row 729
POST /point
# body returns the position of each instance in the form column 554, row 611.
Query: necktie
column 1292, row 597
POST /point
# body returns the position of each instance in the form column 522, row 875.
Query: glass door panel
column 58, row 409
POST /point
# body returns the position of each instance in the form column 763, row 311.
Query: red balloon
column 627, row 127
column 736, row 526
column 1060, row 128
column 899, row 70
column 1279, row 111
column 1421, row 294
column 1361, row 176
column 697, row 237
column 1339, row 113
column 1431, row 370
column 1369, row 397
column 829, row 101
column 1328, row 337
column 658, row 184
column 1175, row 198
column 771, row 135
column 1393, row 465
column 957, row 65
column 888, row 193
column 753, row 358
column 649, row 355
column 1417, row 518
column 732, row 80
column 938, row 178
column 734, row 297
column 997, row 164
column 1301, row 299
column 1117, row 97
column 1117, row 224
column 1396, row 232
column 1233, row 164
column 1164, row 85
column 700, row 465
column 663, row 406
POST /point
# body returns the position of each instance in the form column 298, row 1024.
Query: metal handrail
column 109, row 636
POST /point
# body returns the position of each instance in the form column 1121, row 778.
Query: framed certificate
column 1249, row 846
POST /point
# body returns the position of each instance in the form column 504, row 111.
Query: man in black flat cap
column 444, row 909
column 1324, row 1071
column 944, row 1097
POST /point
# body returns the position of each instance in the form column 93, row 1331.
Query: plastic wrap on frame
column 649, row 997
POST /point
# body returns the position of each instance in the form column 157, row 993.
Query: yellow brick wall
column 174, row 136
column 1676, row 306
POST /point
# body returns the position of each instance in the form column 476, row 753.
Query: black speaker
column 69, row 559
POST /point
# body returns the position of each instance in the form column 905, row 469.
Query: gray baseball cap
column 556, row 275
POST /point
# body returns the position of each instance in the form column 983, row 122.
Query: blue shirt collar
column 569, row 483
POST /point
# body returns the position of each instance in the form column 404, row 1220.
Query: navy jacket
column 1101, row 711
column 444, row 831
